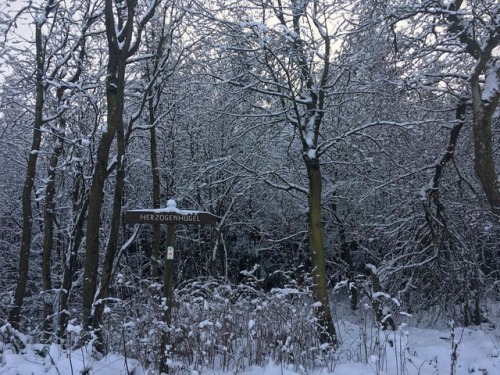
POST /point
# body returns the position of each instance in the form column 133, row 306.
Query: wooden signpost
column 170, row 216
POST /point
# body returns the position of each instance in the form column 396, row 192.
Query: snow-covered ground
column 408, row 351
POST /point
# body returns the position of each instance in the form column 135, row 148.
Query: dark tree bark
column 168, row 284
column 49, row 211
column 299, row 79
column 114, row 93
column 48, row 224
column 157, row 73
column 120, row 32
column 317, row 249
column 24, row 253
column 346, row 256
column 155, row 175
column 484, row 104
column 80, row 205
column 484, row 162
column 309, row 128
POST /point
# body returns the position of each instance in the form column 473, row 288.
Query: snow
column 74, row 328
column 254, row 24
column 172, row 209
column 40, row 19
column 381, row 294
column 55, row 362
column 205, row 323
column 251, row 324
column 281, row 293
column 371, row 268
column 311, row 153
column 408, row 351
column 492, row 83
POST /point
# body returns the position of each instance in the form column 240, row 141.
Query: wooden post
column 169, row 297
column 170, row 216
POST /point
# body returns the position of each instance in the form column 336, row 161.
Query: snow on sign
column 169, row 215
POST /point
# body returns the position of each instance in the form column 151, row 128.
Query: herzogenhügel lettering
column 169, row 217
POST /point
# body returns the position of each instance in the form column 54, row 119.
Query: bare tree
column 125, row 23
column 66, row 82
column 282, row 51
column 476, row 28
column 42, row 15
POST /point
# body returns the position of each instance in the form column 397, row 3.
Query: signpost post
column 170, row 216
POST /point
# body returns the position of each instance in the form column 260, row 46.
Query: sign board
column 170, row 252
column 169, row 215
column 159, row 217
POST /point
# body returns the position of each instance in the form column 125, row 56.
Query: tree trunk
column 93, row 224
column 317, row 248
column 168, row 285
column 120, row 33
column 109, row 257
column 114, row 93
column 484, row 163
column 155, row 258
column 24, row 253
column 71, row 254
column 346, row 256
column 483, row 108
column 48, row 234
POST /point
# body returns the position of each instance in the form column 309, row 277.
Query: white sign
column 170, row 252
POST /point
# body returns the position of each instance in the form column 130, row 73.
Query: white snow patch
column 420, row 352
column 491, row 83
column 74, row 328
column 205, row 323
column 311, row 153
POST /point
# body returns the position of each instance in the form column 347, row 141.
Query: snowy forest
column 348, row 151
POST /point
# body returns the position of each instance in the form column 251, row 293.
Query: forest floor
column 410, row 350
